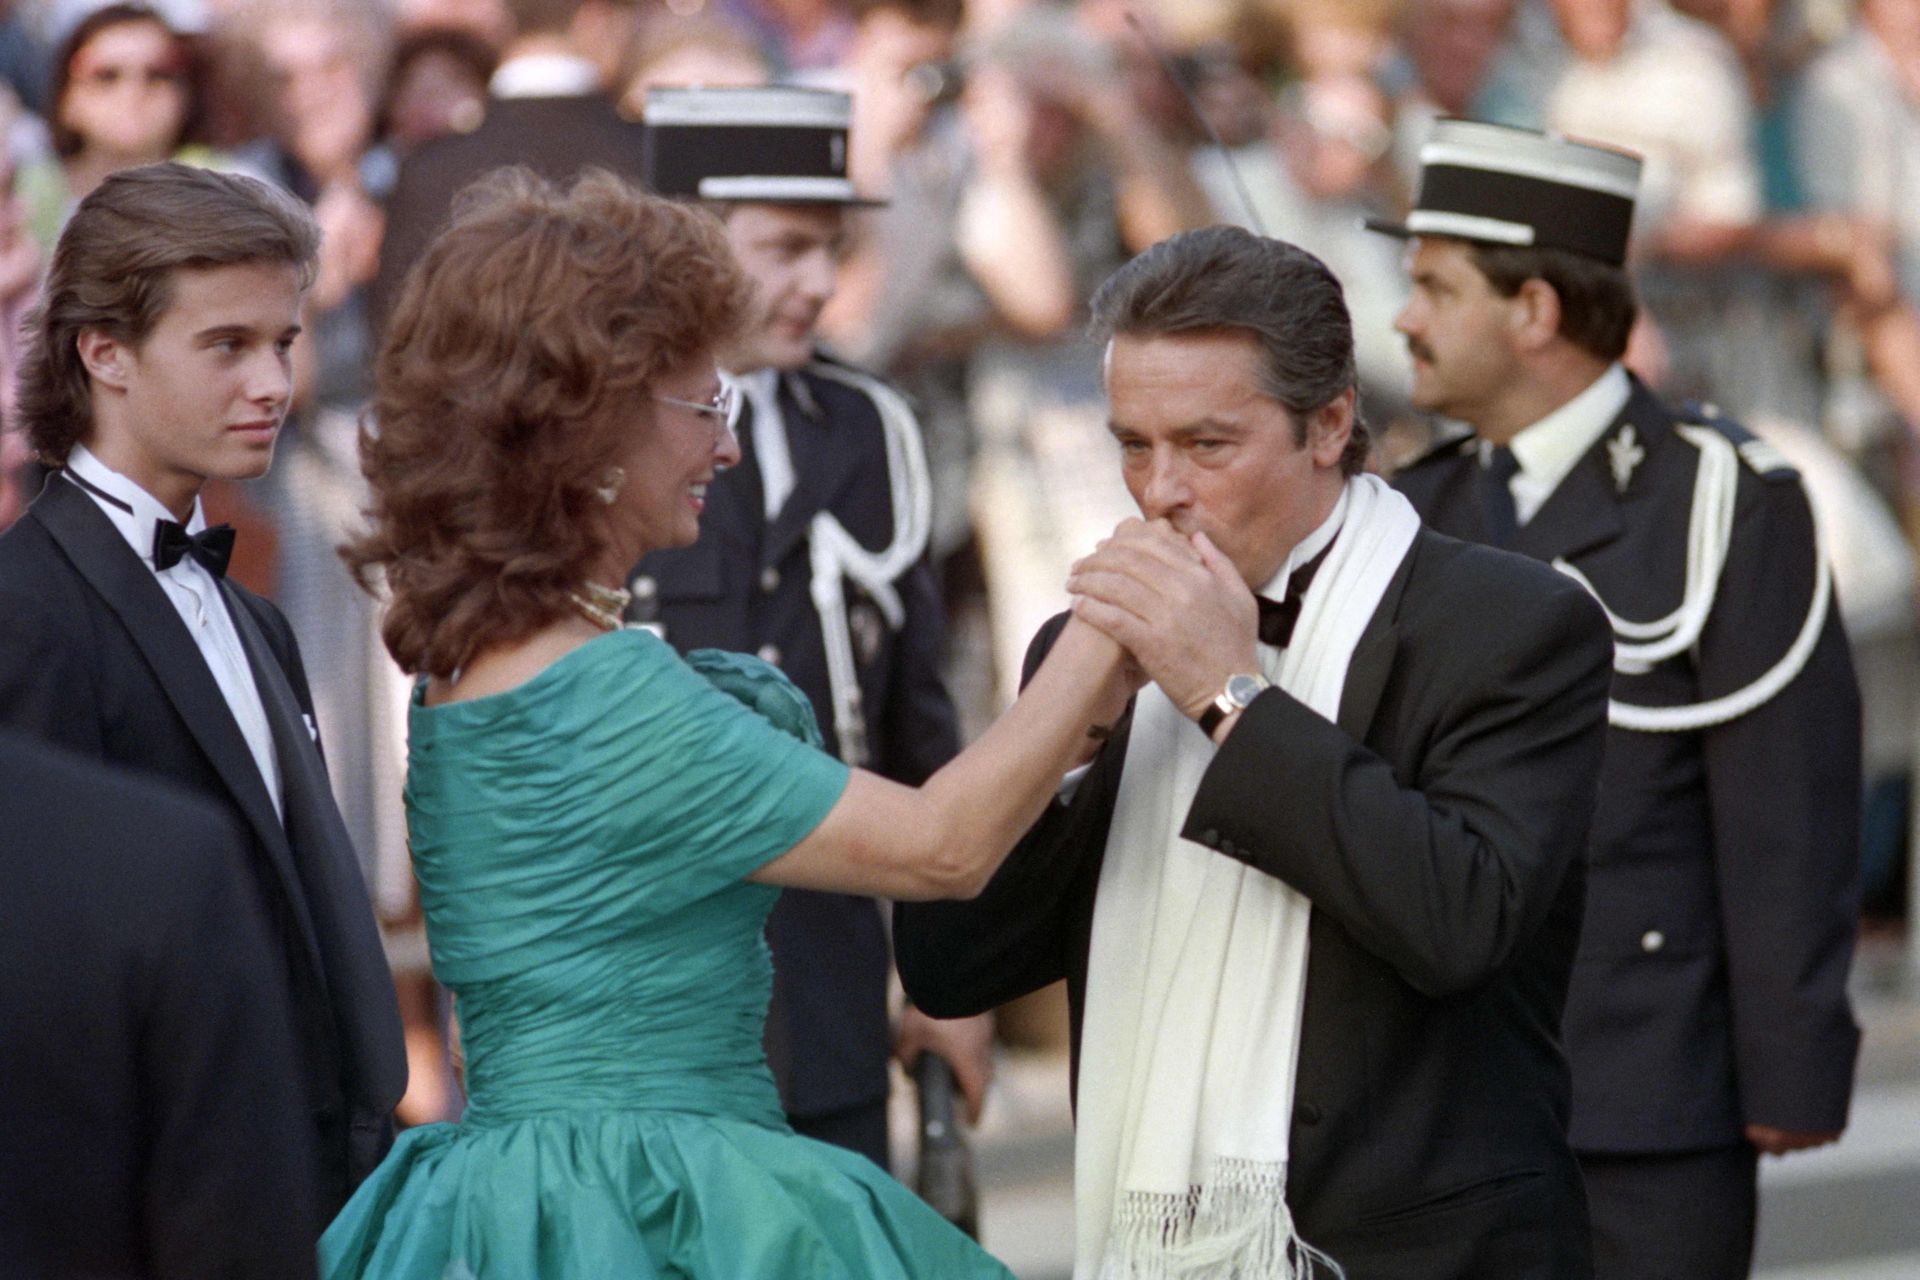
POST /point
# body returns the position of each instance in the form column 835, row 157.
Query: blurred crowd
column 1025, row 148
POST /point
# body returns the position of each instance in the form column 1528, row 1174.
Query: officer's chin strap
column 1639, row 646
column 837, row 555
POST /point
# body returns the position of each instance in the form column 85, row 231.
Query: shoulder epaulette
column 1759, row 457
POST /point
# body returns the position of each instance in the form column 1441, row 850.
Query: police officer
column 1707, row 1021
column 812, row 554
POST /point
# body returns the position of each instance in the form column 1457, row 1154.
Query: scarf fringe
column 1234, row 1226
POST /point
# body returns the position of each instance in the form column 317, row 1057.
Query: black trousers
column 861, row 1129
column 1682, row 1216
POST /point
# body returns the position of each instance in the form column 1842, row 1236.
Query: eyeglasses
column 720, row 408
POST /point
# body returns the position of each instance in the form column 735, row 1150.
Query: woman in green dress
column 599, row 828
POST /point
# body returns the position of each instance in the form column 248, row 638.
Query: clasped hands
column 1175, row 603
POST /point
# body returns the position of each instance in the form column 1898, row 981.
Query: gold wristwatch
column 1240, row 690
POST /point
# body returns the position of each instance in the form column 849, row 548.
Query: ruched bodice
column 582, row 844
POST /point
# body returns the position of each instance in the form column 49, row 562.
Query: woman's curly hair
column 514, row 368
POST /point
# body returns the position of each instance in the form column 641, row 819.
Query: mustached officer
column 1707, row 1022
column 812, row 555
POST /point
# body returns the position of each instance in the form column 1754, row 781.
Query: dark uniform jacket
column 1437, row 829
column 152, row 1122
column 93, row 657
column 745, row 586
column 556, row 137
column 1710, row 989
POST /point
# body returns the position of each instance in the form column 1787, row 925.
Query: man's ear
column 1535, row 315
column 1329, row 428
column 105, row 357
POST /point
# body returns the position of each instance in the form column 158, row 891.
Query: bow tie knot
column 1278, row 617
column 211, row 547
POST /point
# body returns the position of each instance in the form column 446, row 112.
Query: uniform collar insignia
column 1623, row 455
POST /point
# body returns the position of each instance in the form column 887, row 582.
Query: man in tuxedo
column 152, row 1111
column 546, row 109
column 1316, row 894
column 159, row 361
column 812, row 554
column 1708, row 1019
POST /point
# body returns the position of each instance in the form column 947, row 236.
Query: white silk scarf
column 1197, row 975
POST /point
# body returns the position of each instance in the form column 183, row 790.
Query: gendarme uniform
column 812, row 555
column 1709, row 988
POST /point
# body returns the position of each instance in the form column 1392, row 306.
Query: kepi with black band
column 1499, row 185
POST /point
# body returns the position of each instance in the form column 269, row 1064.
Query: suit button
column 1306, row 1113
column 1226, row 847
column 1210, row 837
column 643, row 587
column 1652, row 940
column 769, row 654
column 769, row 580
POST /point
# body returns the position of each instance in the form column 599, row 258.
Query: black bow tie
column 211, row 547
column 1277, row 617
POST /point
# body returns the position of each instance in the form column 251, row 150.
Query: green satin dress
column 582, row 843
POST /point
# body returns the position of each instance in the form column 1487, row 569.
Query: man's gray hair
column 1225, row 278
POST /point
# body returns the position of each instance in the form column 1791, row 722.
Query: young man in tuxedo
column 1316, row 895
column 812, row 554
column 159, row 361
column 150, row 1104
column 1708, row 1020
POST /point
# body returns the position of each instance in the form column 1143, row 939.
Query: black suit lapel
column 340, row 928
column 124, row 581
column 1373, row 655
column 820, row 471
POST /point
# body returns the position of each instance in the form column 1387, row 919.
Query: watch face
column 1244, row 689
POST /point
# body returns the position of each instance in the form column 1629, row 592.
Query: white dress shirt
column 1549, row 449
column 1306, row 549
column 771, row 452
column 195, row 594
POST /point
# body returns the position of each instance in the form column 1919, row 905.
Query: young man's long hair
column 113, row 272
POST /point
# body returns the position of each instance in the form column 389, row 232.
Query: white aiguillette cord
column 837, row 555
column 1639, row 646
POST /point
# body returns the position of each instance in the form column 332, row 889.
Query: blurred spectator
column 547, row 109
column 704, row 49
column 321, row 59
column 1064, row 176
column 1858, row 148
column 127, row 90
column 489, row 20
column 23, row 62
column 436, row 85
column 796, row 35
column 19, row 281
column 1442, row 66
column 1315, row 164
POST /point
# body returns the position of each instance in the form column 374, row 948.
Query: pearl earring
column 609, row 491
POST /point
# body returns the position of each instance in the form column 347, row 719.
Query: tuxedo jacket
column 555, row 137
column 152, row 1118
column 94, row 657
column 1437, row 829
column 1722, row 896
column 745, row 586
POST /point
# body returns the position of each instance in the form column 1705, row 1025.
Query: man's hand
column 966, row 1044
column 1770, row 1141
column 1176, row 604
